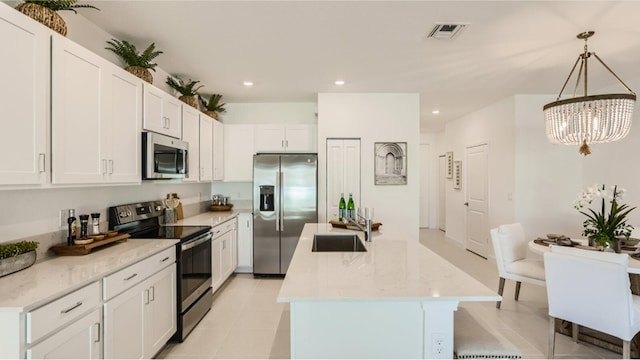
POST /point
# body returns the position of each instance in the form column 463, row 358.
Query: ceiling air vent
column 445, row 31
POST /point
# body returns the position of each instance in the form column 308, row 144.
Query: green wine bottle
column 342, row 208
column 351, row 208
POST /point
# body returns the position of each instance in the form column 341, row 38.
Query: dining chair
column 510, row 247
column 591, row 289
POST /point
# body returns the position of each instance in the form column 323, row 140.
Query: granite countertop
column 52, row 278
column 391, row 269
column 211, row 218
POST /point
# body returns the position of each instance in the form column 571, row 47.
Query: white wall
column 432, row 177
column 270, row 113
column 493, row 125
column 375, row 118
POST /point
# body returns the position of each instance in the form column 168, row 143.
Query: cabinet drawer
column 59, row 312
column 120, row 281
column 222, row 228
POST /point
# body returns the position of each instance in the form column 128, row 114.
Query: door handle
column 110, row 162
column 277, row 202
column 281, row 202
column 41, row 160
column 466, row 204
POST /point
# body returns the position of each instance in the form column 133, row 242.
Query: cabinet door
column 191, row 134
column 172, row 111
column 160, row 318
column 152, row 117
column 245, row 243
column 78, row 127
column 206, row 148
column 226, row 261
column 124, row 326
column 80, row 340
column 238, row 152
column 216, row 268
column 300, row 138
column 218, row 150
column 234, row 246
column 269, row 138
column 124, row 101
column 24, row 111
column 343, row 173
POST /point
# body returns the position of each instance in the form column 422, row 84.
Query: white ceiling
column 293, row 50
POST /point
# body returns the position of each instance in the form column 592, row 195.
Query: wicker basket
column 189, row 100
column 45, row 16
column 141, row 72
column 212, row 114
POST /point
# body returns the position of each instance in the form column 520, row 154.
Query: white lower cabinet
column 141, row 320
column 223, row 252
column 80, row 340
column 245, row 243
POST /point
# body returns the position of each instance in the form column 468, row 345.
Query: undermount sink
column 337, row 243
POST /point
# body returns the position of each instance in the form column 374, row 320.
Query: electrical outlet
column 437, row 345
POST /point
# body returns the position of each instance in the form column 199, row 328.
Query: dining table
column 541, row 246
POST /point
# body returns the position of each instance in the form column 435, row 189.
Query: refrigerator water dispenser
column 267, row 197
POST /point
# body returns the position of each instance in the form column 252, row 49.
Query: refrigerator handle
column 277, row 203
column 281, row 202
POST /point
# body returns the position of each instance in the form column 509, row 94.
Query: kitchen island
column 396, row 300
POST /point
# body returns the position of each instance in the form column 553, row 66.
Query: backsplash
column 47, row 240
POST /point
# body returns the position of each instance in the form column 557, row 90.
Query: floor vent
column 445, row 31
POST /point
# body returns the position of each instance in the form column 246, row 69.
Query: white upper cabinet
column 124, row 115
column 78, row 127
column 95, row 118
column 238, row 152
column 162, row 112
column 218, row 150
column 191, row 134
column 24, row 105
column 284, row 138
column 206, row 148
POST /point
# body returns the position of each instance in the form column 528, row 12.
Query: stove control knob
column 122, row 214
column 129, row 213
column 158, row 208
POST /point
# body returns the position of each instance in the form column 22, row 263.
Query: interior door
column 442, row 192
column 477, row 199
column 425, row 151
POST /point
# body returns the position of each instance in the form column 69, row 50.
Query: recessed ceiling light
column 339, row 82
column 435, row 112
column 248, row 83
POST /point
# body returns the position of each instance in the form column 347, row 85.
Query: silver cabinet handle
column 287, row 143
column 110, row 166
column 97, row 339
column 153, row 294
column 282, row 144
column 168, row 123
column 131, row 277
column 41, row 164
column 165, row 259
column 69, row 309
column 104, row 166
column 146, row 297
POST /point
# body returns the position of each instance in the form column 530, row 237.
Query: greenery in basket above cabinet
column 213, row 107
column 44, row 12
column 187, row 89
column 138, row 63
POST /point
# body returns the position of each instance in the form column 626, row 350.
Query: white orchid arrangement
column 604, row 227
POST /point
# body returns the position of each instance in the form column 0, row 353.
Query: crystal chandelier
column 588, row 119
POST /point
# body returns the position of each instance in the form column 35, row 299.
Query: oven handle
column 197, row 241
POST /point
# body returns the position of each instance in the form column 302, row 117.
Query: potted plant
column 138, row 63
column 605, row 227
column 213, row 107
column 44, row 12
column 17, row 256
column 188, row 89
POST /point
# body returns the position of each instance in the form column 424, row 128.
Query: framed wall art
column 457, row 174
column 390, row 162
column 449, row 155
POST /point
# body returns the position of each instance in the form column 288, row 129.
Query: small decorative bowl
column 97, row 237
column 553, row 236
column 109, row 233
column 83, row 241
column 630, row 242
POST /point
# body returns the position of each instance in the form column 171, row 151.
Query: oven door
column 195, row 269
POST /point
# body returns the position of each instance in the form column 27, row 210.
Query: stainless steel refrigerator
column 285, row 197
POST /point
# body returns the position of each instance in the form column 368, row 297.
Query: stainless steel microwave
column 164, row 157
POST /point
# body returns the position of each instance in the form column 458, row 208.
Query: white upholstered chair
column 510, row 247
column 591, row 289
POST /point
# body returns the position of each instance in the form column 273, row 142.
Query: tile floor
column 245, row 320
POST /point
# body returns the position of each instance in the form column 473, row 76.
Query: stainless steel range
column 193, row 254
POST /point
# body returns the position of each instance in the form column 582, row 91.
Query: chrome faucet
column 366, row 228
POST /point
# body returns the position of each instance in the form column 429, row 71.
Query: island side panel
column 334, row 329
column 438, row 328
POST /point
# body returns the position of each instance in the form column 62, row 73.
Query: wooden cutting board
column 340, row 224
column 75, row 250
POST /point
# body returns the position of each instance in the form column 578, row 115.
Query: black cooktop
column 184, row 233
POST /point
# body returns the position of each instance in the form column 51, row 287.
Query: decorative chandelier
column 588, row 119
